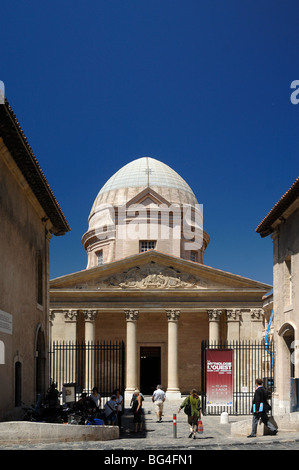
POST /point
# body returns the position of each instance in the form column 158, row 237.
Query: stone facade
column 126, row 300
column 27, row 224
column 282, row 224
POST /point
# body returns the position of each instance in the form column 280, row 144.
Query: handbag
column 187, row 408
column 200, row 426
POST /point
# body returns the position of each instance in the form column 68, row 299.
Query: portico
column 107, row 303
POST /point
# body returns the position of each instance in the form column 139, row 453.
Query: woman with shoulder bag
column 137, row 410
column 192, row 407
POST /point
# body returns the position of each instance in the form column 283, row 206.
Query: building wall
column 193, row 328
column 286, row 307
column 286, row 255
column 22, row 240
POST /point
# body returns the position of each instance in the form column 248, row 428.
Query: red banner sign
column 219, row 377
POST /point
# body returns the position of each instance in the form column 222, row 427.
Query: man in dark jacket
column 260, row 407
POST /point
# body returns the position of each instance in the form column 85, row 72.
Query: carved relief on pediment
column 152, row 276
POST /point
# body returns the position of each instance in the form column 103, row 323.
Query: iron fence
column 88, row 364
column 251, row 360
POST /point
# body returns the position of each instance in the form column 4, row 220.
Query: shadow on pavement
column 127, row 430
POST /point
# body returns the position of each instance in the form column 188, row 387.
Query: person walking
column 260, row 407
column 158, row 399
column 194, row 404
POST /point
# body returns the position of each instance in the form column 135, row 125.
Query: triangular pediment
column 155, row 271
column 148, row 197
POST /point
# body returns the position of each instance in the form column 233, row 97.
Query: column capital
column 214, row 315
column 51, row 316
column 256, row 314
column 233, row 314
column 70, row 315
column 90, row 315
column 131, row 314
column 173, row 314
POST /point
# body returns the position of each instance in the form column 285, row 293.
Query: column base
column 173, row 394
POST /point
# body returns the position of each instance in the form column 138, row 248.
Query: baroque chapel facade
column 146, row 283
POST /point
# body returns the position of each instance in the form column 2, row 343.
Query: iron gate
column 89, row 364
column 251, row 360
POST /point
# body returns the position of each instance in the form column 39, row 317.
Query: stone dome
column 138, row 175
column 144, row 205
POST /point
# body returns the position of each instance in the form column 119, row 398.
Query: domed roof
column 138, row 175
column 145, row 172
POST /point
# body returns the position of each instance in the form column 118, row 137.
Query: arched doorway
column 286, row 366
column 288, row 335
column 18, row 383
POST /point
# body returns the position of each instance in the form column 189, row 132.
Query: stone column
column 257, row 316
column 70, row 318
column 131, row 353
column 214, row 330
column 90, row 317
column 173, row 391
column 51, row 317
column 233, row 317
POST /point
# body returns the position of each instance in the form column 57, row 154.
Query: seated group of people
column 111, row 412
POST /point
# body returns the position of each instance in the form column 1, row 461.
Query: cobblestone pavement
column 160, row 436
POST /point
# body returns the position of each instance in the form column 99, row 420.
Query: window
column 288, row 281
column 193, row 256
column 100, row 257
column 39, row 279
column 147, row 245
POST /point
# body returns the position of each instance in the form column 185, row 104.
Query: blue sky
column 203, row 86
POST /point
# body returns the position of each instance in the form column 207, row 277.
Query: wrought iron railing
column 88, row 364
